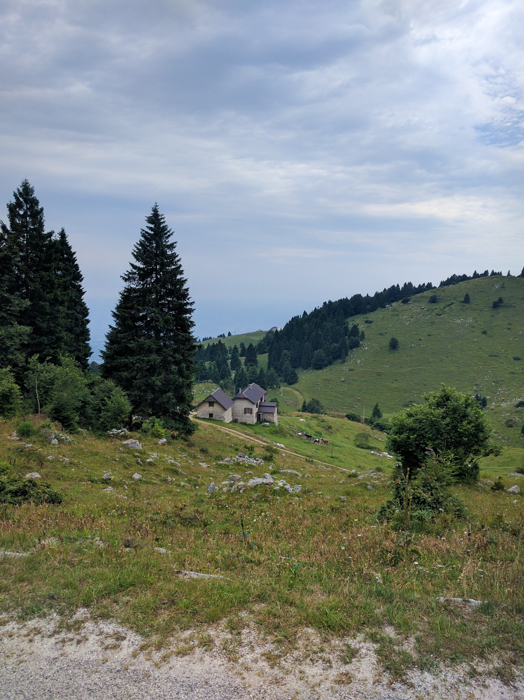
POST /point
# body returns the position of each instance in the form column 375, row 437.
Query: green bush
column 10, row 395
column 353, row 417
column 362, row 441
column 26, row 429
column 115, row 410
column 423, row 498
column 15, row 490
column 393, row 344
column 498, row 485
column 154, row 428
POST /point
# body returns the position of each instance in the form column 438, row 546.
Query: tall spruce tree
column 70, row 301
column 150, row 349
column 44, row 284
column 13, row 336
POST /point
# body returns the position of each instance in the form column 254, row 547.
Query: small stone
column 370, row 488
column 169, row 479
column 50, row 457
column 54, row 441
column 211, row 488
column 514, row 489
column 33, row 475
column 162, row 441
column 161, row 550
column 107, row 476
column 343, row 498
column 306, row 475
column 149, row 461
column 136, row 476
column 109, row 488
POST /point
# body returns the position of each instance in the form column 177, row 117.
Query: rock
column 234, row 477
column 109, row 488
column 467, row 601
column 183, row 483
column 241, row 457
column 107, row 476
column 132, row 443
column 54, row 441
column 343, row 498
column 162, row 441
column 265, row 425
column 516, row 475
column 247, row 473
column 33, row 475
column 117, row 432
column 161, row 550
column 149, row 461
column 238, row 486
column 153, row 455
column 257, row 481
column 12, row 554
column 514, row 489
column 203, row 464
column 370, row 488
column 289, row 471
column 169, row 479
column 50, row 457
column 211, row 488
column 66, row 438
column 306, row 475
column 136, row 476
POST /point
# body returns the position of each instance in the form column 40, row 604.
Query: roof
column 268, row 407
column 252, row 393
column 221, row 398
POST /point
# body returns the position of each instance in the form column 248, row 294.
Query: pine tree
column 251, row 356
column 33, row 257
column 235, row 359
column 70, row 300
column 376, row 413
column 12, row 335
column 149, row 350
column 241, row 380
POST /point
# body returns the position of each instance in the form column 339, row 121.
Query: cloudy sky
column 301, row 151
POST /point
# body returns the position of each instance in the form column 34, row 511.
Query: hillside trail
column 264, row 443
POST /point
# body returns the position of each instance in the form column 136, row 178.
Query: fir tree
column 149, row 350
column 235, row 359
column 33, row 256
column 272, row 380
column 251, row 356
column 13, row 336
column 241, row 380
column 70, row 300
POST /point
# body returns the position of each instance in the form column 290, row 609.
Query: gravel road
column 103, row 661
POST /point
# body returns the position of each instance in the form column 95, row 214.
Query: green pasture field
column 231, row 340
column 442, row 342
column 284, row 562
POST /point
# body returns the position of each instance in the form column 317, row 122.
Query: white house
column 250, row 405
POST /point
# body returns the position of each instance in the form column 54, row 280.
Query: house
column 250, row 405
column 217, row 405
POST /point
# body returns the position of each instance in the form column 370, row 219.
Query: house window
column 211, row 404
column 248, row 411
column 211, row 415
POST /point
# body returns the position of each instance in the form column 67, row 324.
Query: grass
column 287, row 562
column 442, row 342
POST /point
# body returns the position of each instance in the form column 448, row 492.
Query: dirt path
column 265, row 442
column 104, row 661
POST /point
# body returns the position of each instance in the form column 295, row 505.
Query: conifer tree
column 241, row 379
column 12, row 335
column 149, row 351
column 251, row 356
column 235, row 359
column 70, row 300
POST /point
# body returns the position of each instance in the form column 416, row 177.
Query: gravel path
column 103, row 661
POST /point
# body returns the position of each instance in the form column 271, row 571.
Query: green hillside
column 472, row 347
column 231, row 340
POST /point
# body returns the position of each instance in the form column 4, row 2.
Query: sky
column 300, row 151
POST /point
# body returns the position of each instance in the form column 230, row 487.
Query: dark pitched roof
column 252, row 393
column 268, row 407
column 221, row 398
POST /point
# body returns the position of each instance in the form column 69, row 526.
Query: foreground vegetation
column 283, row 561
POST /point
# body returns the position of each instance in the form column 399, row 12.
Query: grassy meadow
column 280, row 562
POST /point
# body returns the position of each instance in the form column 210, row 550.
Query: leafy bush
column 423, row 498
column 451, row 423
column 353, row 417
column 154, row 428
column 15, row 490
column 433, row 299
column 26, row 429
column 497, row 303
column 10, row 395
column 393, row 344
column 312, row 406
column 115, row 409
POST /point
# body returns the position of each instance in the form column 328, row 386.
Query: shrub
column 154, row 428
column 433, row 299
column 393, row 344
column 353, row 417
column 313, row 406
column 10, row 395
column 362, row 441
column 422, row 498
column 497, row 303
column 26, row 429
column 466, row 299
column 15, row 490
column 116, row 409
column 449, row 422
column 498, row 485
